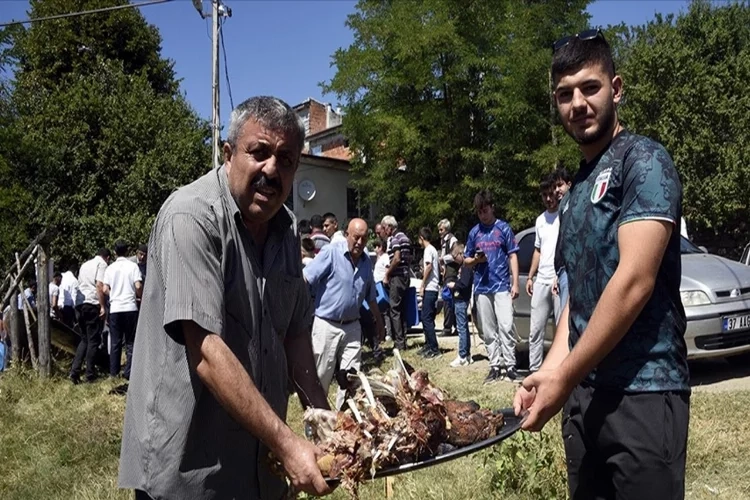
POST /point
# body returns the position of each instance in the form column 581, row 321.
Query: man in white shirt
column 124, row 285
column 93, row 311
column 71, row 297
column 55, row 303
column 429, row 292
column 542, row 273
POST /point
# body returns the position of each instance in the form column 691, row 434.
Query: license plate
column 741, row 322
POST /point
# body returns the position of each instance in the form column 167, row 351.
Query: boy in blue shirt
column 491, row 251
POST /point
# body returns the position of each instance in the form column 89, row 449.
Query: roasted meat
column 393, row 418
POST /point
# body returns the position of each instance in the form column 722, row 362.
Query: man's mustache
column 263, row 182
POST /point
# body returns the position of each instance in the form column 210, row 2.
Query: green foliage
column 530, row 465
column 458, row 92
column 685, row 83
column 101, row 136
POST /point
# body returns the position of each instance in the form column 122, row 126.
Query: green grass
column 59, row 441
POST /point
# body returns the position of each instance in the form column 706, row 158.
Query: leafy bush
column 530, row 465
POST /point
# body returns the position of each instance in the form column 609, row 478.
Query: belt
column 340, row 321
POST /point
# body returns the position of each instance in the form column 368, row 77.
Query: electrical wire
column 84, row 12
column 226, row 67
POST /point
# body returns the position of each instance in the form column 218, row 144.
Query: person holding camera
column 491, row 251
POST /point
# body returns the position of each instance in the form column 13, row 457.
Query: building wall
column 318, row 117
column 330, row 187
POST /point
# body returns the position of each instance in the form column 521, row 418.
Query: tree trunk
column 43, row 310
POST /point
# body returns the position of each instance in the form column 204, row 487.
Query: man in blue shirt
column 491, row 251
column 618, row 363
column 341, row 279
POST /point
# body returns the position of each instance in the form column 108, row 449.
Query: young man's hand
column 529, row 286
column 542, row 395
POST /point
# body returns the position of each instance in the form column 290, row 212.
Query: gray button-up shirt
column 178, row 442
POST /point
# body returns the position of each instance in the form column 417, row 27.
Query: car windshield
column 687, row 247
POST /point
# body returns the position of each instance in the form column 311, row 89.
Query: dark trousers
column 429, row 308
column 369, row 331
column 397, row 286
column 91, row 327
column 449, row 318
column 121, row 330
column 68, row 316
column 625, row 445
column 142, row 495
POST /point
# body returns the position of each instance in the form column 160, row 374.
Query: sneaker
column 422, row 350
column 459, row 361
column 493, row 376
column 430, row 354
column 510, row 375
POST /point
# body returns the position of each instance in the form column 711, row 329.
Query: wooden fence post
column 26, row 311
column 15, row 334
column 43, row 310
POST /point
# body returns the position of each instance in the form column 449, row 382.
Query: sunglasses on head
column 583, row 36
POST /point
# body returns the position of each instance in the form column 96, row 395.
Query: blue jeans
column 429, row 308
column 460, row 307
column 562, row 292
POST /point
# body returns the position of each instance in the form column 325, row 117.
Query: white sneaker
column 459, row 361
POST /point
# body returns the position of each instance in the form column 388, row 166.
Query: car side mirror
column 703, row 249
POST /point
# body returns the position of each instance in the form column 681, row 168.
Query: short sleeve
column 302, row 312
column 136, row 274
column 319, row 267
column 470, row 244
column 101, row 270
column 107, row 278
column 190, row 257
column 537, row 237
column 651, row 187
column 510, row 239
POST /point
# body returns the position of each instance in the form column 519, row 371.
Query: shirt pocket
column 282, row 293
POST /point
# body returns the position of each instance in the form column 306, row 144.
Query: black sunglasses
column 583, row 36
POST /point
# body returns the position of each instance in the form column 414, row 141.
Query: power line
column 84, row 12
column 226, row 67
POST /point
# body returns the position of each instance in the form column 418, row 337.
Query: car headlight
column 694, row 298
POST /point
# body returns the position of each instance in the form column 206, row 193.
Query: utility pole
column 218, row 10
column 215, row 120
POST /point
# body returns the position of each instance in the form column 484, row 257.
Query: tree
column 457, row 95
column 685, row 86
column 104, row 134
column 14, row 199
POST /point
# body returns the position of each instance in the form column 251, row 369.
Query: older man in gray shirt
column 223, row 329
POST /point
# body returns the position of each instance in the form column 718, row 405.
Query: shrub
column 530, row 465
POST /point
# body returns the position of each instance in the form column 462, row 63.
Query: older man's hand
column 300, row 462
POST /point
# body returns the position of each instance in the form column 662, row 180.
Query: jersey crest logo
column 601, row 185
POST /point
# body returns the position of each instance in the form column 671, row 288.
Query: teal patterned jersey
column 632, row 179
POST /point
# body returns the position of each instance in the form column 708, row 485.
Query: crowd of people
column 100, row 305
column 479, row 275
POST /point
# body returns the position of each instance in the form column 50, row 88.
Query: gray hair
column 445, row 223
column 389, row 221
column 270, row 112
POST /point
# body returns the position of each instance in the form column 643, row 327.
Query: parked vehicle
column 745, row 259
column 715, row 293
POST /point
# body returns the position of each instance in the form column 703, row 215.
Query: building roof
column 325, row 161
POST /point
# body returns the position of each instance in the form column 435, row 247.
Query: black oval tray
column 511, row 424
